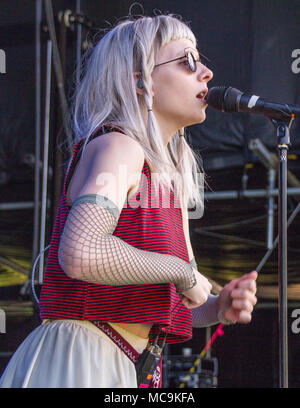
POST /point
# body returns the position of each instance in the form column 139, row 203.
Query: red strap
column 131, row 353
column 127, row 348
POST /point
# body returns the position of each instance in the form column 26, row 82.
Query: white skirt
column 71, row 354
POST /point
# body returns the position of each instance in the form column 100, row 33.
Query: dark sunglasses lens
column 191, row 61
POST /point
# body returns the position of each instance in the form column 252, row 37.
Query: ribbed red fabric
column 149, row 226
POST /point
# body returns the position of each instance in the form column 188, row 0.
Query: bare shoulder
column 110, row 165
column 117, row 142
column 116, row 149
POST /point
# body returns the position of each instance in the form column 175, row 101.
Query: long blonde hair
column 107, row 95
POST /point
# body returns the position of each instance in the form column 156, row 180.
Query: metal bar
column 58, row 72
column 282, row 268
column 45, row 159
column 274, row 305
column 14, row 266
column 220, row 195
column 78, row 44
column 5, row 354
column 270, row 225
column 231, row 195
column 22, row 205
column 38, row 18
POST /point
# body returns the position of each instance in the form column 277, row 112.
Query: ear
column 140, row 91
column 137, row 76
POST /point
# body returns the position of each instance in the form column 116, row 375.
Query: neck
column 167, row 128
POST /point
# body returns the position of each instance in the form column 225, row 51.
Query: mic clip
column 282, row 132
column 148, row 362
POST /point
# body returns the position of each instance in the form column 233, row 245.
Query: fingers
column 243, row 301
column 197, row 295
column 252, row 276
column 243, row 304
column 189, row 304
column 246, row 283
column 244, row 317
column 243, row 291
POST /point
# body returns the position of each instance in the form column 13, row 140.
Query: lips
column 202, row 94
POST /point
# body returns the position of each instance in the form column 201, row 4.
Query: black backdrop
column 250, row 45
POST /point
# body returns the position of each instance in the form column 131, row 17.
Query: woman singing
column 121, row 275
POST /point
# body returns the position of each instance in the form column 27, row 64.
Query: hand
column 237, row 299
column 198, row 295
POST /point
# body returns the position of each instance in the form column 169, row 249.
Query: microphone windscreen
column 223, row 98
column 231, row 98
column 215, row 97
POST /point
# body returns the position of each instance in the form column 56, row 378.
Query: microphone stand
column 283, row 142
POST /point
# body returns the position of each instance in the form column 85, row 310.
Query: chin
column 198, row 120
column 202, row 119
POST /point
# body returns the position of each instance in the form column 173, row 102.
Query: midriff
column 138, row 329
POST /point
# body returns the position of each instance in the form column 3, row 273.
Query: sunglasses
column 191, row 58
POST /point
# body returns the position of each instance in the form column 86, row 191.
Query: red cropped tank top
column 154, row 227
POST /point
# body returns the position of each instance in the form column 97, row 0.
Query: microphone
column 228, row 99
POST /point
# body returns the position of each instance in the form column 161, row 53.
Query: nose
column 205, row 74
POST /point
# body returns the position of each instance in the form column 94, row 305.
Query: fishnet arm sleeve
column 88, row 251
column 206, row 314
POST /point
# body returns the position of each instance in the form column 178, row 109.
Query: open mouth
column 202, row 94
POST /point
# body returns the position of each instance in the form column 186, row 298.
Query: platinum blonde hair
column 107, row 95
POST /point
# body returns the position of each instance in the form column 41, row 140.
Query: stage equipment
column 204, row 376
column 74, row 21
column 270, row 161
column 228, row 99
